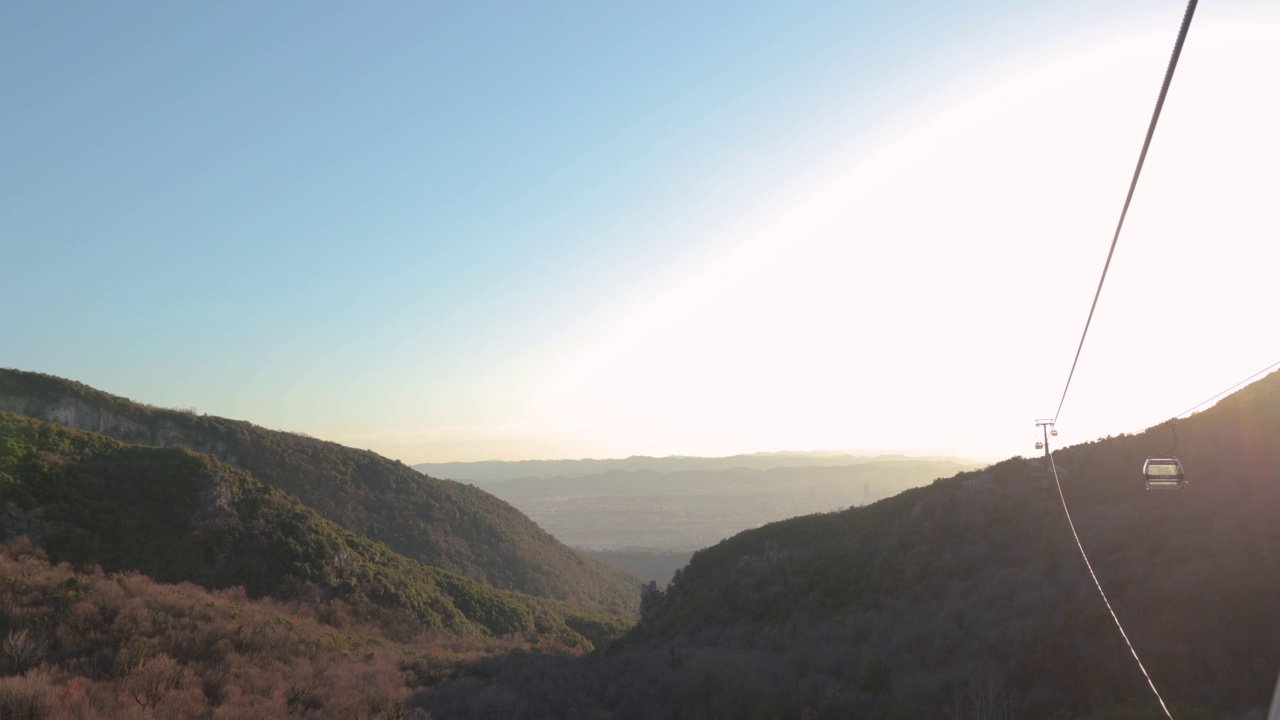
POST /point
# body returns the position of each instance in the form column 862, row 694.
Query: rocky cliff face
column 81, row 415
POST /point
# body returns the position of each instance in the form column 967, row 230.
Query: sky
column 469, row 231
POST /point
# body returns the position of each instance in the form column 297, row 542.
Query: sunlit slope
column 177, row 515
column 134, row 648
column 438, row 522
column 974, row 586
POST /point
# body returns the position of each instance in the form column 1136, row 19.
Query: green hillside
column 80, row 643
column 438, row 522
column 969, row 599
column 176, row 515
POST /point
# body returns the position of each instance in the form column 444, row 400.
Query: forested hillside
column 180, row 516
column 81, row 643
column 967, row 599
column 438, row 522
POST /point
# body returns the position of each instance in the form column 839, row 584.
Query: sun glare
column 927, row 286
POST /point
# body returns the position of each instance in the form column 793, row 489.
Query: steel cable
column 1198, row 405
column 1124, row 211
column 1097, row 584
column 1133, row 184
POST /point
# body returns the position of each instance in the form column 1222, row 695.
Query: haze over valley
column 653, row 514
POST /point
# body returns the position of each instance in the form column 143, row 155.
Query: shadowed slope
column 180, row 516
column 969, row 599
column 439, row 522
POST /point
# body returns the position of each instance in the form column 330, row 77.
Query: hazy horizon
column 499, row 471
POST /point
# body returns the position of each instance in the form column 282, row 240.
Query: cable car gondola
column 1163, row 473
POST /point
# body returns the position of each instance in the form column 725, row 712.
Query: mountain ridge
column 490, row 471
column 181, row 516
column 442, row 523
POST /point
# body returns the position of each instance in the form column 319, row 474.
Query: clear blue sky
column 425, row 228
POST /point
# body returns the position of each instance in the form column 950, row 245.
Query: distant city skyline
column 511, row 231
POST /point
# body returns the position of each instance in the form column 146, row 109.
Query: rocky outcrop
column 92, row 417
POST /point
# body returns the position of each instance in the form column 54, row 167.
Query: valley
column 655, row 514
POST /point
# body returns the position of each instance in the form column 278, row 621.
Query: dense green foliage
column 78, row 643
column 438, row 522
column 967, row 599
column 181, row 516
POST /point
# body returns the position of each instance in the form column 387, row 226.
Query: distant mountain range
column 901, row 472
column 498, row 471
column 684, row 510
column 646, row 514
column 967, row 599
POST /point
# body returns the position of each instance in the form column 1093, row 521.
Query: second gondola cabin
column 1164, row 474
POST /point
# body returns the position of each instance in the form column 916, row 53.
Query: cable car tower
column 1046, row 427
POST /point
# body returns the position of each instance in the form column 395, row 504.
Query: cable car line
column 1133, row 184
column 1166, row 473
column 1098, row 585
column 1201, row 404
